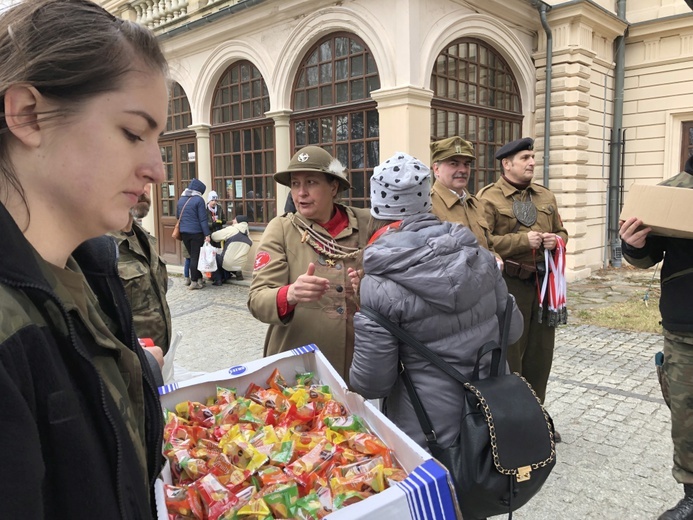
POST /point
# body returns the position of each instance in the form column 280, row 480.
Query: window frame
column 487, row 127
column 259, row 210
column 367, row 143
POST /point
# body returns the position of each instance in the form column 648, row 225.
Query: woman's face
column 99, row 160
column 313, row 195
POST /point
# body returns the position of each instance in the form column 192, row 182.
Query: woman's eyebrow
column 150, row 120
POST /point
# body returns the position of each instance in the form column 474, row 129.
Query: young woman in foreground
column 84, row 99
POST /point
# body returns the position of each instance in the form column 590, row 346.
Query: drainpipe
column 613, row 202
column 543, row 9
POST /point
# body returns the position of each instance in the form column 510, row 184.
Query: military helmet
column 314, row 159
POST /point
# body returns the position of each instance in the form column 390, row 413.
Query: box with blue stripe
column 426, row 493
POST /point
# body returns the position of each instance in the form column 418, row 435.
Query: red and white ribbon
column 554, row 284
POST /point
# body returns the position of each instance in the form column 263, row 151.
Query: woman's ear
column 22, row 107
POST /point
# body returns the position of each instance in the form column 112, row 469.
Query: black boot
column 684, row 509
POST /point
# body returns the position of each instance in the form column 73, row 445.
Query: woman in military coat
column 300, row 284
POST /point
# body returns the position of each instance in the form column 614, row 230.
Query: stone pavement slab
column 615, row 459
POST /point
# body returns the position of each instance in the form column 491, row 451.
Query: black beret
column 511, row 148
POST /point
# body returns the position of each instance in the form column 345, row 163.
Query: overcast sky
column 6, row 3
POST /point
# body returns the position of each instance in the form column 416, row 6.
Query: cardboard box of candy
column 423, row 490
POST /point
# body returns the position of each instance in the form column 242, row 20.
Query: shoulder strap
column 410, row 340
column 483, row 190
column 403, row 335
column 434, row 358
column 183, row 208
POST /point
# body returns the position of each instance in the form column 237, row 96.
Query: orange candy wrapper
column 277, row 452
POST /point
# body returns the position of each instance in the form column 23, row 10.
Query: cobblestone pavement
column 615, row 459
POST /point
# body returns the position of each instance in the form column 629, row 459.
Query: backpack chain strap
column 521, row 474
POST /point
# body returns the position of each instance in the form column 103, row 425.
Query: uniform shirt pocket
column 136, row 282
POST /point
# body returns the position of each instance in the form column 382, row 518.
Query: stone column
column 203, row 154
column 405, row 121
column 282, row 150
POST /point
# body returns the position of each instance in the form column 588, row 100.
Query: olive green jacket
column 510, row 236
column 469, row 212
column 145, row 278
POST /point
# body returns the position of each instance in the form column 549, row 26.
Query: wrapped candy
column 271, row 453
column 281, row 498
column 312, row 464
column 184, row 501
column 216, row 498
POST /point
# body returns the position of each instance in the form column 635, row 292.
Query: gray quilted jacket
column 432, row 279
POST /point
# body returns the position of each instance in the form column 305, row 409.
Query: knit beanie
column 400, row 187
column 212, row 196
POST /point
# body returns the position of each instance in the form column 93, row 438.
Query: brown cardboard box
column 667, row 210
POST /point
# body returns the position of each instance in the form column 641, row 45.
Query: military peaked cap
column 450, row 147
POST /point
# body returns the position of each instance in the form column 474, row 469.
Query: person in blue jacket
column 194, row 228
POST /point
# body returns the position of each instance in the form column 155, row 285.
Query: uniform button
column 340, row 310
column 339, row 288
column 338, row 267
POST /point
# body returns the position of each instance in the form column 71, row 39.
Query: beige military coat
column 280, row 259
column 508, row 235
column 447, row 206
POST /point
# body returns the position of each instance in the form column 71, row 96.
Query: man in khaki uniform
column 144, row 276
column 300, row 284
column 452, row 159
column 524, row 221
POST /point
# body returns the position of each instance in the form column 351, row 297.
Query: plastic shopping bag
column 208, row 258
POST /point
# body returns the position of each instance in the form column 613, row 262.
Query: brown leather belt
column 523, row 271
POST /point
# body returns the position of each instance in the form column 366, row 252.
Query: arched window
column 475, row 96
column 243, row 144
column 179, row 117
column 178, row 152
column 332, row 108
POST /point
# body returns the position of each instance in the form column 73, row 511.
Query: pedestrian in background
column 216, row 219
column 642, row 249
column 194, row 228
column 524, row 222
column 300, row 284
column 235, row 246
column 84, row 99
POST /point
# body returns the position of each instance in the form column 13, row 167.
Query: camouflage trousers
column 677, row 387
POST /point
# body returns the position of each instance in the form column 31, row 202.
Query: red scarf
column 338, row 223
column 382, row 230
